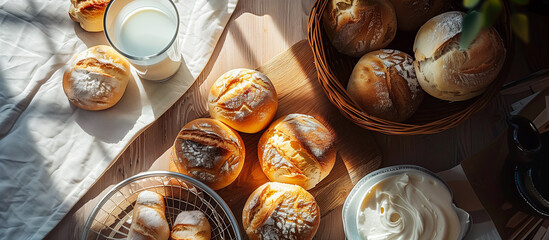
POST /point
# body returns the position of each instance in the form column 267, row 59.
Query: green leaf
column 471, row 3
column 519, row 24
column 471, row 25
column 520, row 2
column 491, row 10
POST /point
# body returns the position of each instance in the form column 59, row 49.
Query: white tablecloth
column 50, row 151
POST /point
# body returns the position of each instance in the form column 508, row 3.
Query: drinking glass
column 145, row 32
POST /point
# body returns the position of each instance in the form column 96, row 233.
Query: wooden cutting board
column 294, row 76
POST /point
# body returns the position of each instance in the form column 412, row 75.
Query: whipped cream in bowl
column 403, row 202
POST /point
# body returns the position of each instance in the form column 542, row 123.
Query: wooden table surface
column 258, row 31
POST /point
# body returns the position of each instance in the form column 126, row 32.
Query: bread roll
column 89, row 13
column 244, row 99
column 280, row 211
column 96, row 78
column 297, row 149
column 148, row 219
column 357, row 27
column 191, row 225
column 210, row 151
column 384, row 84
column 411, row 14
column 448, row 73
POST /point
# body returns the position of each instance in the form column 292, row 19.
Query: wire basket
column 111, row 217
column 433, row 115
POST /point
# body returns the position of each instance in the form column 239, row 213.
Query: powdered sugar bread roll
column 191, row 225
column 149, row 219
column 89, row 13
column 449, row 73
column 210, row 151
column 97, row 78
column 384, row 84
column 297, row 149
column 244, row 99
column 280, row 211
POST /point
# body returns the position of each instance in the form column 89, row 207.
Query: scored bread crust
column 355, row 27
column 280, row 211
column 89, row 13
column 297, row 149
column 148, row 219
column 96, row 78
column 244, row 99
column 449, row 73
column 384, row 85
column 210, row 151
column 191, row 225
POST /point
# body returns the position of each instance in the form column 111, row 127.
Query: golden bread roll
column 448, row 73
column 191, row 225
column 96, row 78
column 89, row 13
column 210, row 151
column 280, row 211
column 244, row 99
column 357, row 27
column 149, row 219
column 385, row 85
column 297, row 149
column 411, row 14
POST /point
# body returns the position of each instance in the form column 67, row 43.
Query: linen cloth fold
column 50, row 151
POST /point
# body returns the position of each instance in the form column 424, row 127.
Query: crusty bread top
column 355, row 27
column 96, row 78
column 297, row 149
column 281, row 211
column 89, row 13
column 244, row 99
column 210, row 151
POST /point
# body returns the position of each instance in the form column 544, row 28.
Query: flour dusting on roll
column 209, row 151
column 449, row 73
column 96, row 79
column 384, row 84
column 280, row 211
column 360, row 26
column 297, row 149
column 244, row 99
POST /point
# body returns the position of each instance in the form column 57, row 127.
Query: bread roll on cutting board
column 280, row 211
column 449, row 73
column 191, row 225
column 297, row 149
column 149, row 219
column 244, row 99
column 210, row 151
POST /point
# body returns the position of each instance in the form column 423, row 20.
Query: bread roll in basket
column 433, row 115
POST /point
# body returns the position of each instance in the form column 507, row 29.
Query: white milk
column 146, row 31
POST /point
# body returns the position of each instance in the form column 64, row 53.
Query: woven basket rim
column 338, row 96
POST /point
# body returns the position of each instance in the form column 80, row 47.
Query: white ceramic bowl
column 359, row 191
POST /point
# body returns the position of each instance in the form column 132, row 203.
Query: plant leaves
column 520, row 2
column 491, row 10
column 519, row 24
column 471, row 25
column 472, row 3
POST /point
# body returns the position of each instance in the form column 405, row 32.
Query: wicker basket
column 433, row 115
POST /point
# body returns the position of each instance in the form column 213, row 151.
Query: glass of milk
column 145, row 32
